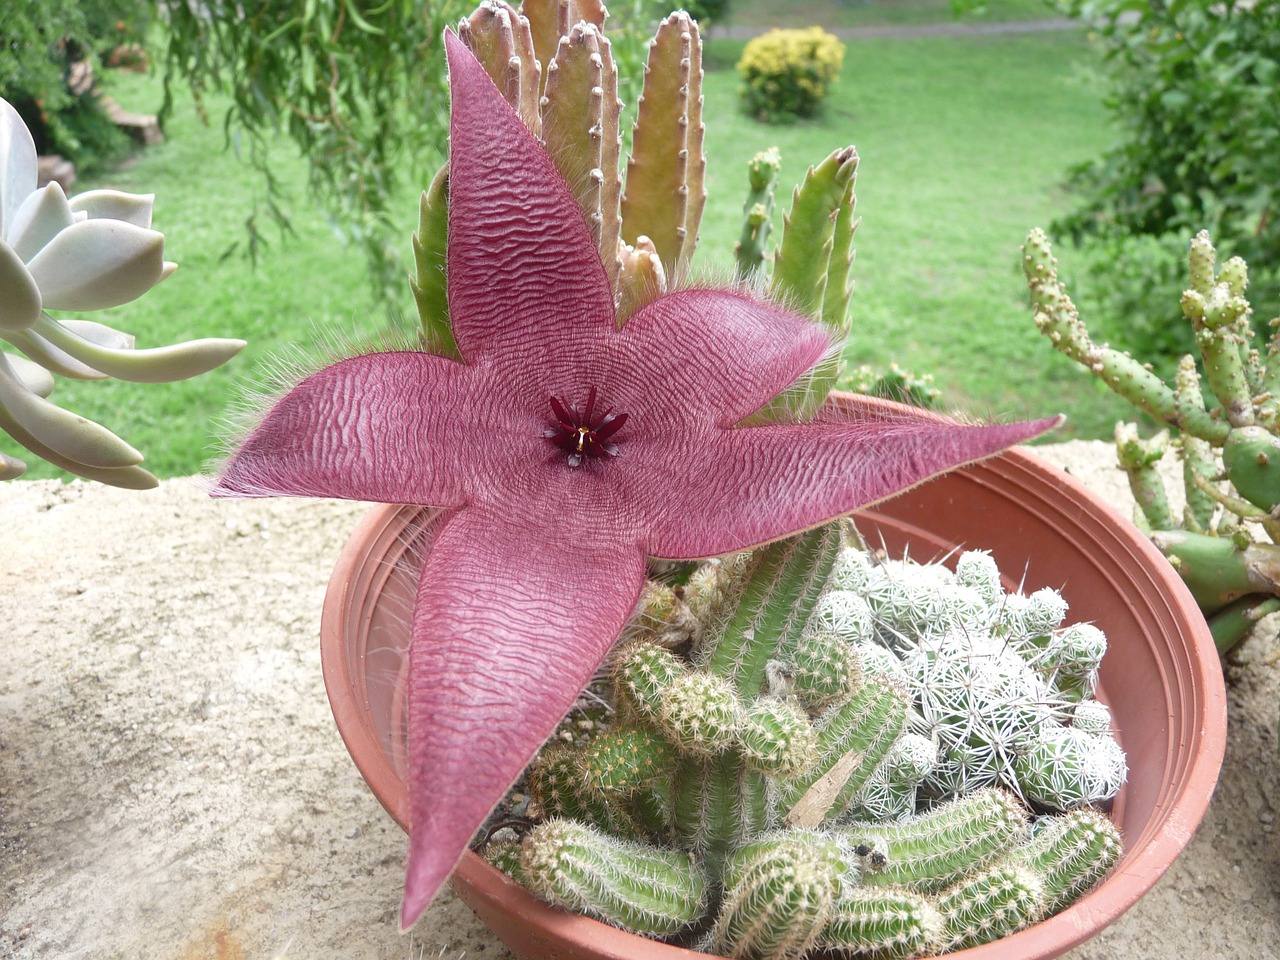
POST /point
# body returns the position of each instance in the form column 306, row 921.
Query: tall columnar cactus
column 850, row 739
column 554, row 64
column 1225, row 543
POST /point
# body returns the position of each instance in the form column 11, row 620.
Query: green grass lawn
column 873, row 13
column 962, row 142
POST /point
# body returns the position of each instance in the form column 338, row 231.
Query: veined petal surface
column 752, row 485
column 387, row 427
column 512, row 619
column 523, row 268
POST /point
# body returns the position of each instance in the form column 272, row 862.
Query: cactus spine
column 635, row 886
column 746, row 746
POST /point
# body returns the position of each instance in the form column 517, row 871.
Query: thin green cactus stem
column 1234, row 622
column 430, row 287
column 801, row 262
column 822, row 666
column 1138, row 459
column 1197, row 455
column 757, row 212
column 838, row 289
column 779, row 894
column 1057, row 318
column 989, row 905
column 778, row 593
column 852, row 741
column 1070, row 853
column 636, row 886
column 657, row 203
column 933, row 850
column 881, row 924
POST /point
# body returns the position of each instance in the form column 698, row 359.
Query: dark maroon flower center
column 585, row 433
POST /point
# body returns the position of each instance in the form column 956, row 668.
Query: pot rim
column 480, row 884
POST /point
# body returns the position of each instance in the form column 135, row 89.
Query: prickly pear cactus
column 1225, row 543
column 815, row 749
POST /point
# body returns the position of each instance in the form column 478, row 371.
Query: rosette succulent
column 510, row 419
column 89, row 252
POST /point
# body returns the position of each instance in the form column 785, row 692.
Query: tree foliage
column 1194, row 91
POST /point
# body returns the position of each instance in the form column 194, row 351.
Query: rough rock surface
column 172, row 786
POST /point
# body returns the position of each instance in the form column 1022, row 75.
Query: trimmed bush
column 787, row 72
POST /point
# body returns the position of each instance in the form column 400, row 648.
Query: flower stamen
column 582, row 434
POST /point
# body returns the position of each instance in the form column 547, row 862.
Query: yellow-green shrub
column 788, row 72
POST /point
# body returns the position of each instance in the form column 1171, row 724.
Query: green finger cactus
column 991, row 904
column 939, row 848
column 883, row 924
column 1069, row 853
column 636, row 886
column 780, row 892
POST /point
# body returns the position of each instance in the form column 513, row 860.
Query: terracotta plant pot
column 1161, row 678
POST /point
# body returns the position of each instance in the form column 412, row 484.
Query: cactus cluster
column 1224, row 545
column 815, row 750
column 553, row 63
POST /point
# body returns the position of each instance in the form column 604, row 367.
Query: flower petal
column 512, row 619
column 521, row 264
column 132, row 208
column 381, row 427
column 18, row 171
column 718, row 354
column 43, row 216
column 95, row 264
column 20, row 302
column 751, row 485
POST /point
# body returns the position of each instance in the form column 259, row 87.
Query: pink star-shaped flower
column 565, row 450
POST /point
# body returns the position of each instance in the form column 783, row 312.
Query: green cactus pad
column 635, row 886
column 1064, row 767
column 1251, row 456
column 558, row 784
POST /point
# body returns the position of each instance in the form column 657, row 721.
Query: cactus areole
column 541, row 557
